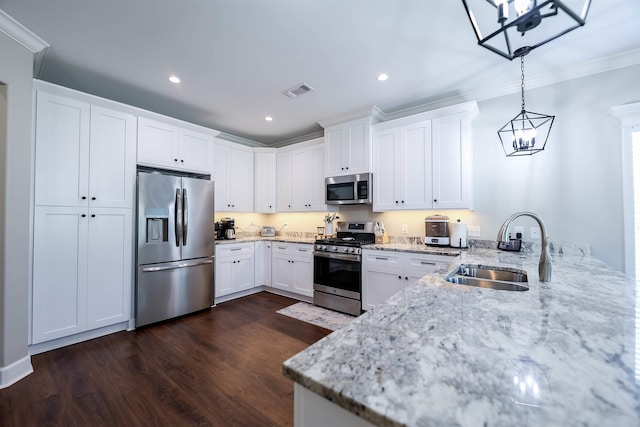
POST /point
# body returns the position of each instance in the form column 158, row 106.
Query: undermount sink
column 504, row 279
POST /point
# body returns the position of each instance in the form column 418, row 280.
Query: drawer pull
column 427, row 263
column 236, row 249
column 282, row 247
column 381, row 258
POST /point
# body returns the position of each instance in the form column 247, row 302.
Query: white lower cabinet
column 82, row 272
column 263, row 263
column 385, row 273
column 235, row 269
column 292, row 267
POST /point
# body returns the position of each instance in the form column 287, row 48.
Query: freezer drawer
column 173, row 289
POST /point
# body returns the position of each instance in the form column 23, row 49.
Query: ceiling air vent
column 297, row 90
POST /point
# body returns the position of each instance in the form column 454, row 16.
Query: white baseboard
column 292, row 295
column 14, row 372
column 74, row 339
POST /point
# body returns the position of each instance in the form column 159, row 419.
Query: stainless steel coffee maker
column 436, row 228
column 228, row 228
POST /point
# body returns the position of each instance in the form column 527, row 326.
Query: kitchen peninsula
column 562, row 353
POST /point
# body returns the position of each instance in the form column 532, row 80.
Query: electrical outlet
column 517, row 229
column 535, row 232
column 473, row 231
column 405, row 229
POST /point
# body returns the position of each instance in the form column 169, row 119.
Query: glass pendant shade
column 512, row 28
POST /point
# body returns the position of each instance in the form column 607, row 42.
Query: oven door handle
column 345, row 257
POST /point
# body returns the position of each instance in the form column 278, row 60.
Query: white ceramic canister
column 458, row 234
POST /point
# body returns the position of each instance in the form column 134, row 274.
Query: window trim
column 628, row 117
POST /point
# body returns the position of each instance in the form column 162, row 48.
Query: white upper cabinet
column 452, row 162
column 265, row 180
column 402, row 179
column 62, row 138
column 112, row 159
column 233, row 176
column 348, row 148
column 424, row 161
column 167, row 146
column 85, row 155
column 300, row 178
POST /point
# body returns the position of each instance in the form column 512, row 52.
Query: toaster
column 268, row 231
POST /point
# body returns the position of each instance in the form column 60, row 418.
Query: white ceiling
column 236, row 56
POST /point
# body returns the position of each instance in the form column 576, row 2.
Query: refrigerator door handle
column 185, row 217
column 178, row 216
column 181, row 265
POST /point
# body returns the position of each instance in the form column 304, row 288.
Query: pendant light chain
column 522, row 79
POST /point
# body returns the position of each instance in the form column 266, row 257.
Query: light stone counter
column 440, row 354
column 293, row 239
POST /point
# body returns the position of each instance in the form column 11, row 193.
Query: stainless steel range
column 337, row 267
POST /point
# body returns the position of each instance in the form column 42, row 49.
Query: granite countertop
column 562, row 353
column 288, row 239
column 415, row 247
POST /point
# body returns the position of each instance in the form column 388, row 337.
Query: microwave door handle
column 185, row 217
column 178, row 216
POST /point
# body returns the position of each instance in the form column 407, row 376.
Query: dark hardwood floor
column 220, row 367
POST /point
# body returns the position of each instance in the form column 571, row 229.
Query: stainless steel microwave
column 349, row 189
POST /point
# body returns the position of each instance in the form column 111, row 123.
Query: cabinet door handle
column 93, row 198
column 400, row 277
column 84, row 197
column 93, row 215
column 175, row 160
column 435, row 200
column 83, row 215
column 406, row 278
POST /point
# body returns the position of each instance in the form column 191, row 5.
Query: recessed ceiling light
column 268, row 118
column 174, row 79
column 382, row 77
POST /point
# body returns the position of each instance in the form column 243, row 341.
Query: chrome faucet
column 544, row 266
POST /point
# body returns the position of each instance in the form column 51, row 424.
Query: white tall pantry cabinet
column 84, row 189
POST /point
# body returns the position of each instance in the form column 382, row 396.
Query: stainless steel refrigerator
column 176, row 246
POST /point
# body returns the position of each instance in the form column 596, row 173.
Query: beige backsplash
column 307, row 222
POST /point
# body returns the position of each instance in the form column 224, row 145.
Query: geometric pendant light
column 527, row 133
column 512, row 28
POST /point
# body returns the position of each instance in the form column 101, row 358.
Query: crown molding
column 240, row 140
column 558, row 75
column 26, row 38
column 369, row 111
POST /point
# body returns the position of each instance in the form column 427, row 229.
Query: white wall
column 575, row 184
column 16, row 72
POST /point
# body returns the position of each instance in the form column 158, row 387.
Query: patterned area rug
column 318, row 316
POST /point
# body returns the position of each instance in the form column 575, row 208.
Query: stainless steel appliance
column 337, row 267
column 268, row 231
column 436, row 228
column 176, row 246
column 228, row 228
column 349, row 189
